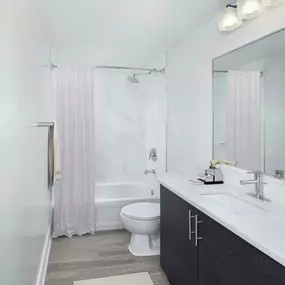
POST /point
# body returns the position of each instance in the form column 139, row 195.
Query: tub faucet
column 258, row 181
column 149, row 171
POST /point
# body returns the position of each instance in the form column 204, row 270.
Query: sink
column 235, row 205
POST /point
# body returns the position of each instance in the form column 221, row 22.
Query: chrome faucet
column 149, row 171
column 258, row 181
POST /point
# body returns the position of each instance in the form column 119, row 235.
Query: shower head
column 133, row 79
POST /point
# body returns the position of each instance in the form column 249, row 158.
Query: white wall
column 189, row 87
column 24, row 198
column 274, row 104
column 90, row 54
column 120, row 127
column 129, row 122
column 156, row 113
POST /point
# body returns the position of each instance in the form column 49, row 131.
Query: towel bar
column 45, row 124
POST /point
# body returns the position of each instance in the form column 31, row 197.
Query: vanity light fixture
column 248, row 9
column 272, row 3
column 229, row 20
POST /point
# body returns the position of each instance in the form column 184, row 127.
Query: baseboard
column 109, row 226
column 44, row 259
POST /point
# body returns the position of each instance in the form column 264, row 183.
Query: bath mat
column 142, row 278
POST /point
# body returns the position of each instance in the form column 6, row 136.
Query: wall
column 129, row 122
column 156, row 118
column 274, row 97
column 24, row 198
column 120, row 127
column 189, row 87
column 90, row 54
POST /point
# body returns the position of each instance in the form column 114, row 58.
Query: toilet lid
column 142, row 211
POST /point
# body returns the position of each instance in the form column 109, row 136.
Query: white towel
column 57, row 163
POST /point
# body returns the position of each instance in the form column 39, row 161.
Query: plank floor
column 104, row 254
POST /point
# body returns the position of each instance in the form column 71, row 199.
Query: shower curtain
column 243, row 120
column 75, row 117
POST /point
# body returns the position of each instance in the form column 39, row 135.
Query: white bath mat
column 142, row 278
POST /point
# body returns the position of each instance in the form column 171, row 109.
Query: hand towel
column 57, row 163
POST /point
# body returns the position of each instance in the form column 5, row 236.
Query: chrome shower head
column 133, row 79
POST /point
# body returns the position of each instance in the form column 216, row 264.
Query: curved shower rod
column 151, row 70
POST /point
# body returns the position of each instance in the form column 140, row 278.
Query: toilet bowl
column 142, row 220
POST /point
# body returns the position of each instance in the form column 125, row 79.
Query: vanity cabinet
column 220, row 257
column 179, row 256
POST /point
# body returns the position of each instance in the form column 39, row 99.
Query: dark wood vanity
column 196, row 250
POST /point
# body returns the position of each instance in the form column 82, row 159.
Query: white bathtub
column 111, row 197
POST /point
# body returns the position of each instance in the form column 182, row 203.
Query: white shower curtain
column 75, row 117
column 243, row 126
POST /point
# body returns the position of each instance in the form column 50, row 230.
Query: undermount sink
column 235, row 205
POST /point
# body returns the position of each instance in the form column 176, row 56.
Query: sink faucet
column 258, row 181
column 149, row 171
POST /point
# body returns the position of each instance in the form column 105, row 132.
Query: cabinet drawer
column 221, row 257
column 233, row 257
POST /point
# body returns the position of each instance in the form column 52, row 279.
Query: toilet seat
column 142, row 211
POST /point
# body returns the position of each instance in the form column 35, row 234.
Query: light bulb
column 229, row 20
column 248, row 9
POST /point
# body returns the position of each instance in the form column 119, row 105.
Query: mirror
column 249, row 106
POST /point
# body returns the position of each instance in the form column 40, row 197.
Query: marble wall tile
column 130, row 120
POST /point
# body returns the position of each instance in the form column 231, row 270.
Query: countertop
column 263, row 227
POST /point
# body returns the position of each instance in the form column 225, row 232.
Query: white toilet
column 142, row 220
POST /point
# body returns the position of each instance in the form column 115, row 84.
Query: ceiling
column 125, row 26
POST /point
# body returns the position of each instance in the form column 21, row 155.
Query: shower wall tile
column 156, row 106
column 123, row 112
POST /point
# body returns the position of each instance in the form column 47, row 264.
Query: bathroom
column 114, row 116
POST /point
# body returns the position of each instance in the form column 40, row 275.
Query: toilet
column 142, row 220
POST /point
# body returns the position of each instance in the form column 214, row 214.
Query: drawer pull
column 190, row 225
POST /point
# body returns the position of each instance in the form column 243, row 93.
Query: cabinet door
column 226, row 259
column 178, row 252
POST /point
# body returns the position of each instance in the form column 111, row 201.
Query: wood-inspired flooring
column 104, row 254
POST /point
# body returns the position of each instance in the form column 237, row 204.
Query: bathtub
column 111, row 197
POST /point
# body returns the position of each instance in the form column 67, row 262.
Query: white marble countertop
column 263, row 227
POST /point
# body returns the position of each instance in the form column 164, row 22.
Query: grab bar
column 45, row 124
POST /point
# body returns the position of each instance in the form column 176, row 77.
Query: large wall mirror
column 249, row 106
